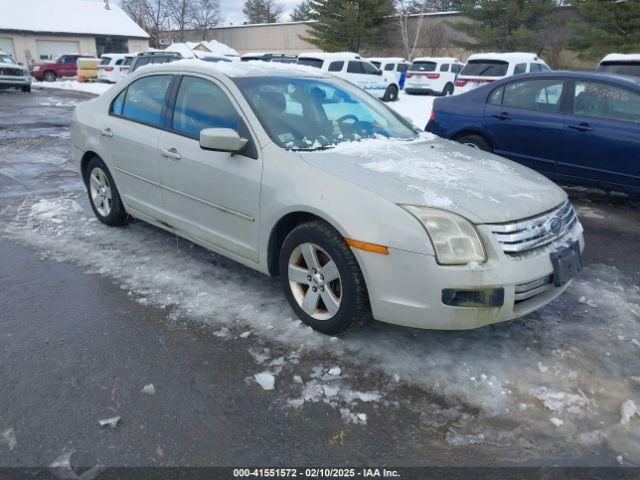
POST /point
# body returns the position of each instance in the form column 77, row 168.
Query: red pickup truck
column 64, row 66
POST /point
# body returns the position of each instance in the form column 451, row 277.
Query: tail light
column 432, row 118
column 108, row 69
column 409, row 75
column 433, row 76
column 461, row 83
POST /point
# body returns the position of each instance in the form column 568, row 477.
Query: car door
column 602, row 135
column 130, row 135
column 212, row 197
column 525, row 122
column 68, row 68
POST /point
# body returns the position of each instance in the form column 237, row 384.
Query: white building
column 36, row 30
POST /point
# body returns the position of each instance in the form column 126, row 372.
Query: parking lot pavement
column 91, row 315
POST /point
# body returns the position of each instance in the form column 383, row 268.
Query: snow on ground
column 557, row 382
column 73, row 85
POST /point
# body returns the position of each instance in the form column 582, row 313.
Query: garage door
column 6, row 46
column 49, row 49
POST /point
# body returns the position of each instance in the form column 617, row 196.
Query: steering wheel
column 348, row 116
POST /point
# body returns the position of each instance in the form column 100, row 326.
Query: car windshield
column 316, row 114
column 423, row 67
column 7, row 59
column 485, row 68
column 621, row 68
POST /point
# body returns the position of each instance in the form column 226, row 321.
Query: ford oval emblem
column 555, row 225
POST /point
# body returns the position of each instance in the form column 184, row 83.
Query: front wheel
column 322, row 279
column 49, row 76
column 475, row 141
column 103, row 194
column 391, row 95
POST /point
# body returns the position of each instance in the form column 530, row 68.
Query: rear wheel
column 322, row 279
column 391, row 95
column 447, row 90
column 26, row 88
column 475, row 141
column 49, row 76
column 103, row 194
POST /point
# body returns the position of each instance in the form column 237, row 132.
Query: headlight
column 455, row 239
column 36, row 68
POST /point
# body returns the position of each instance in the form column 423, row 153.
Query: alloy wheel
column 315, row 281
column 100, row 190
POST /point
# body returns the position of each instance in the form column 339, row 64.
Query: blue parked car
column 574, row 127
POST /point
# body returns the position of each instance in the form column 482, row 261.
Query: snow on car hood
column 12, row 65
column 438, row 173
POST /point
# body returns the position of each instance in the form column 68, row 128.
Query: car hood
column 433, row 172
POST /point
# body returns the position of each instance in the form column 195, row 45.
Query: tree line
column 598, row 27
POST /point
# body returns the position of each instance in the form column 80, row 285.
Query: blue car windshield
column 315, row 114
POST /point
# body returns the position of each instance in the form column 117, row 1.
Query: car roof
column 331, row 56
column 508, row 56
column 254, row 68
column 436, row 59
column 621, row 57
column 629, row 81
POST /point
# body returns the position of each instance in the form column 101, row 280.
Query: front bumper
column 6, row 81
column 406, row 288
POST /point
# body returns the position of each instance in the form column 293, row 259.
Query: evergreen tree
column 349, row 24
column 302, row 12
column 505, row 25
column 261, row 11
column 607, row 26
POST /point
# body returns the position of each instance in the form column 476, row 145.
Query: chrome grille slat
column 524, row 235
column 529, row 290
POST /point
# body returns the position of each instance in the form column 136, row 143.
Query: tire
column 344, row 285
column 391, row 95
column 476, row 141
column 49, row 76
column 100, row 185
column 26, row 89
column 447, row 90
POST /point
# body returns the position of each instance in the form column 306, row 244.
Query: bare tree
column 206, row 15
column 405, row 11
column 157, row 18
column 180, row 14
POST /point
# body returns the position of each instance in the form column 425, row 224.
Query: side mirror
column 222, row 140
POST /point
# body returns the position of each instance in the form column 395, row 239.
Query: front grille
column 11, row 72
column 525, row 235
column 525, row 291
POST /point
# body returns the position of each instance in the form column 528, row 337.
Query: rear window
column 105, row 61
column 423, row 67
column 621, row 68
column 311, row 62
column 127, row 61
column 485, row 68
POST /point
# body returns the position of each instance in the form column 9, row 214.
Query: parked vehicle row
column 433, row 75
column 574, row 127
column 271, row 171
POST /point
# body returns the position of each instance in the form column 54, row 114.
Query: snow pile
column 628, row 410
column 266, row 380
column 75, row 86
column 8, row 437
column 488, row 381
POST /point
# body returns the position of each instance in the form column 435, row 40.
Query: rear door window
column 389, row 67
column 601, row 100
column 144, row 99
column 355, row 67
column 543, row 95
column 369, row 69
column 336, row 66
column 485, row 68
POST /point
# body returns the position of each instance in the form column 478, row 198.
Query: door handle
column 503, row 116
column 582, row 127
column 172, row 153
column 107, row 132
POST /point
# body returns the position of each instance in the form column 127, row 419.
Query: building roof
column 87, row 17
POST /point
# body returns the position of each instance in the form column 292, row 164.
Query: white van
column 621, row 64
column 112, row 67
column 352, row 67
column 484, row 68
column 432, row 75
column 397, row 65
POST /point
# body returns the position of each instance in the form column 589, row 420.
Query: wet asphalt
column 75, row 348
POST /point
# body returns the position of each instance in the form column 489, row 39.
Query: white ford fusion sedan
column 305, row 176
